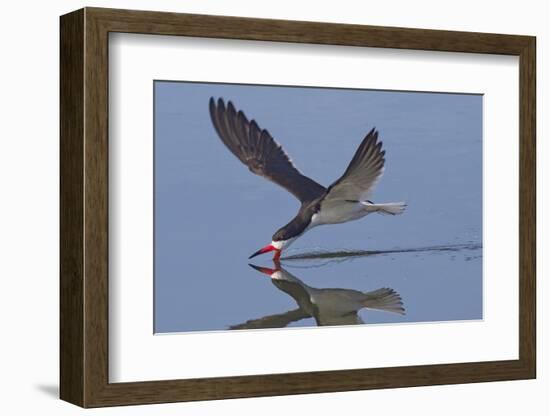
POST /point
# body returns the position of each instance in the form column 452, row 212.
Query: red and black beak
column 265, row 270
column 266, row 249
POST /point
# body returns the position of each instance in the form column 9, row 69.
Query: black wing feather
column 279, row 320
column 362, row 173
column 256, row 148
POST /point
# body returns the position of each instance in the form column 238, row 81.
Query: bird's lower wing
column 279, row 320
column 384, row 299
column 362, row 173
column 260, row 152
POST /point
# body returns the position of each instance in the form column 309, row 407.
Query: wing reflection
column 328, row 306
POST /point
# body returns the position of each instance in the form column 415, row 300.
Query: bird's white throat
column 282, row 244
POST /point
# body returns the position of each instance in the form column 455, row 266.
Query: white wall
column 29, row 205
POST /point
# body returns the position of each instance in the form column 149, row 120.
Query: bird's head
column 276, row 245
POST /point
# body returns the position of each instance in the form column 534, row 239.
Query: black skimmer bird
column 344, row 200
column 328, row 306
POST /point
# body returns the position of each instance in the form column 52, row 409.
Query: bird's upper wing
column 260, row 152
column 364, row 170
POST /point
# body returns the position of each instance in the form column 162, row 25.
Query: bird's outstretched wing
column 279, row 320
column 364, row 170
column 260, row 152
column 384, row 299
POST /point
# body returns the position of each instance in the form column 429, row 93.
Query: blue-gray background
column 211, row 213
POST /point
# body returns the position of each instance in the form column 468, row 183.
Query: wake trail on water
column 346, row 254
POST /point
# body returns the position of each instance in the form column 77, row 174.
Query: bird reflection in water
column 328, row 306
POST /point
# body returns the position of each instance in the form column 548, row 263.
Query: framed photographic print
column 255, row 207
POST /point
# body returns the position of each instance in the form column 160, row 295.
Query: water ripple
column 346, row 254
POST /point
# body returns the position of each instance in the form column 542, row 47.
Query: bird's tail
column 384, row 299
column 389, row 208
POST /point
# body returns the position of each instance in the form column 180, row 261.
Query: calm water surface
column 211, row 213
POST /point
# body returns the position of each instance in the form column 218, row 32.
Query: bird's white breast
column 337, row 212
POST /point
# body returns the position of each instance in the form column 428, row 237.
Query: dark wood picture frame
column 84, row 207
